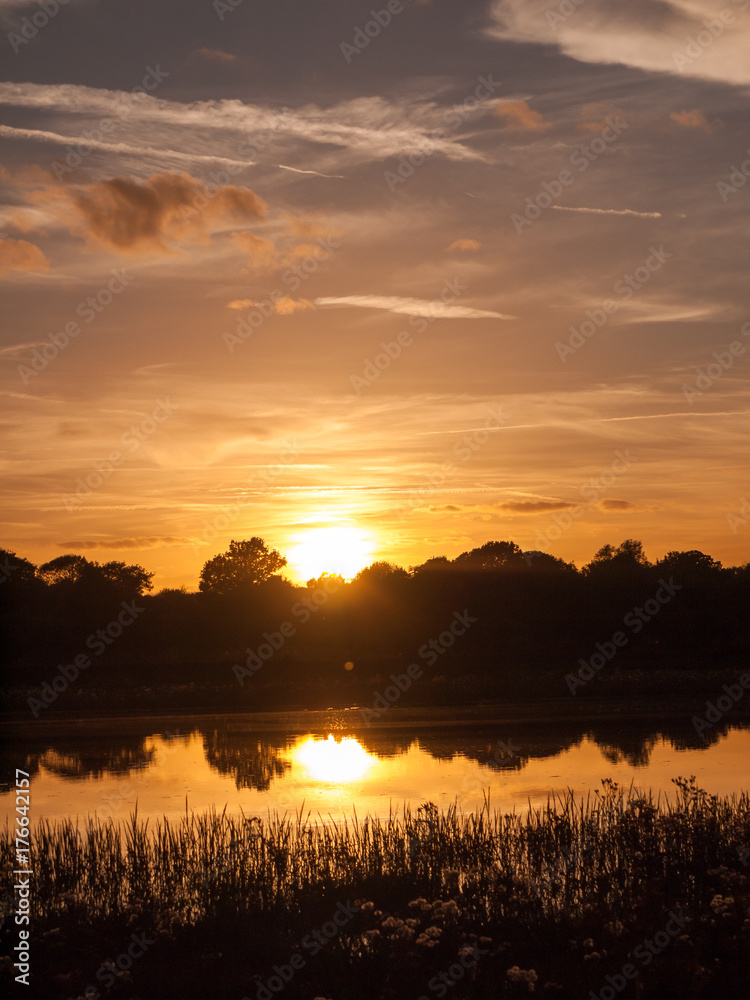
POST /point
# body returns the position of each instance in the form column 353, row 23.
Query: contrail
column 317, row 173
column 610, row 211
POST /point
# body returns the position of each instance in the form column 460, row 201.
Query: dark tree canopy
column 690, row 563
column 492, row 556
column 74, row 571
column 15, row 570
column 380, row 571
column 243, row 564
column 627, row 555
column 64, row 569
column 436, row 563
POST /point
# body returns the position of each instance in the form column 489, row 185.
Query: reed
column 606, row 868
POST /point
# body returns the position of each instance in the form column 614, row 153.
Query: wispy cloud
column 410, row 307
column 607, row 211
column 162, row 153
column 148, row 542
column 315, row 173
column 368, row 128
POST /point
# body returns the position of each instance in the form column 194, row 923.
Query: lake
column 330, row 763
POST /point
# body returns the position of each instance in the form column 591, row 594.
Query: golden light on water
column 331, row 761
column 338, row 549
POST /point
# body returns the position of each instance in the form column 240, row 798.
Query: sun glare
column 327, row 760
column 340, row 550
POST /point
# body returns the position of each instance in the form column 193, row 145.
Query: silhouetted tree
column 245, row 563
column 381, row 572
column 628, row 555
column 544, row 562
column 117, row 578
column 436, row 564
column 131, row 580
column 15, row 571
column 65, row 569
column 692, row 563
column 492, row 556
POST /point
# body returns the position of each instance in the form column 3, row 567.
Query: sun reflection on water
column 331, row 761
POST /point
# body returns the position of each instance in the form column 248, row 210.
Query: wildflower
column 720, row 904
column 526, row 976
column 392, row 922
column 370, row 906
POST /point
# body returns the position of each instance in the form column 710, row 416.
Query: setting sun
column 327, row 760
column 342, row 550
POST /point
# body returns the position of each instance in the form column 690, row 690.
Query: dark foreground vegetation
column 492, row 623
column 618, row 896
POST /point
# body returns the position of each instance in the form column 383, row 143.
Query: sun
column 342, row 550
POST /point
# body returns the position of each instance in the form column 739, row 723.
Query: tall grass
column 605, row 846
column 569, row 890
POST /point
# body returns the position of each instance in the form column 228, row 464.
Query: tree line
column 535, row 618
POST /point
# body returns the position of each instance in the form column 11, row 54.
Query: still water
column 330, row 763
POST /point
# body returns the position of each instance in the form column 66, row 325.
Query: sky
column 373, row 281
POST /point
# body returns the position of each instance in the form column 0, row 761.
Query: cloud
column 594, row 116
column 263, row 253
column 607, row 211
column 692, row 119
column 309, row 227
column 286, row 305
column 148, row 542
column 240, row 304
column 20, row 255
column 507, row 506
column 534, row 506
column 315, row 173
column 216, row 55
column 129, row 215
column 616, row 505
column 368, row 129
column 463, row 244
column 410, row 307
column 653, row 35
column 518, row 115
column 84, row 141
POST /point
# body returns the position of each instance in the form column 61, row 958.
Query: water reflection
column 331, row 763
column 252, row 762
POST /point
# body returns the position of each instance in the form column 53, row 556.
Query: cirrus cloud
column 434, row 309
